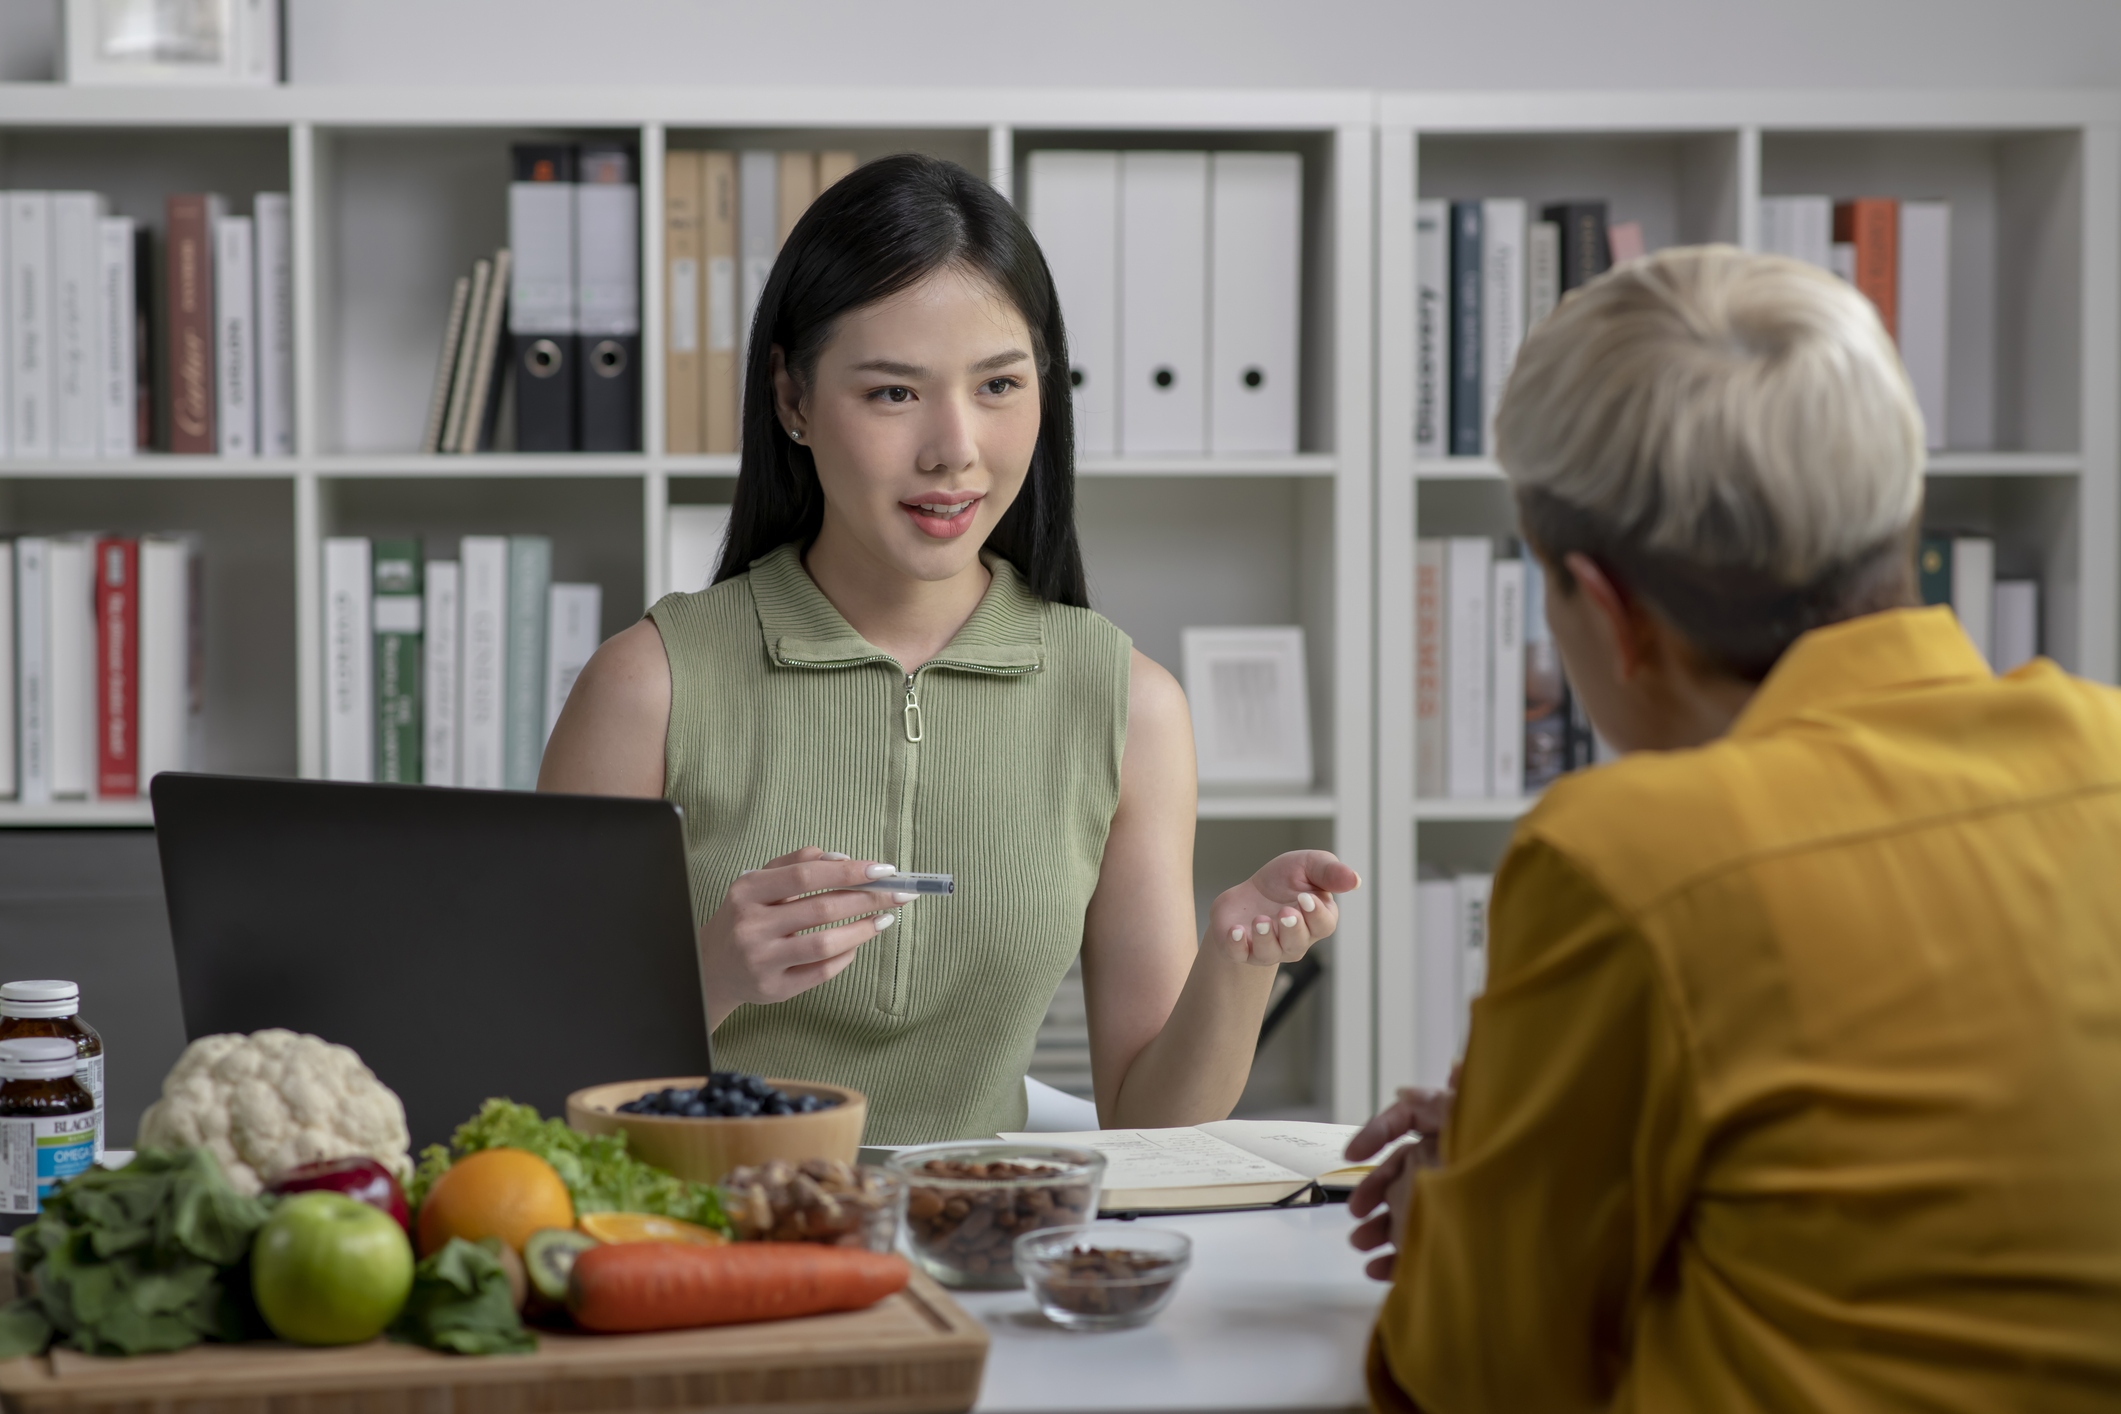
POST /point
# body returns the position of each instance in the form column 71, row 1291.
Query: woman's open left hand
column 1274, row 916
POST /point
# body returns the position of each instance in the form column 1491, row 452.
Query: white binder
column 1074, row 212
column 1924, row 322
column 1255, row 271
column 1163, row 289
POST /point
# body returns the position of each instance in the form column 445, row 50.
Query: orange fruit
column 647, row 1227
column 504, row 1193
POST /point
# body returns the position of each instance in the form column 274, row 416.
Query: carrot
column 657, row 1286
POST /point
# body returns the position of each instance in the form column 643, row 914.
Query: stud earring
column 795, row 434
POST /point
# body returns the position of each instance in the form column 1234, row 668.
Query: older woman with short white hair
column 1797, row 1080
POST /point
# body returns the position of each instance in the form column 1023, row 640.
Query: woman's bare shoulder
column 609, row 738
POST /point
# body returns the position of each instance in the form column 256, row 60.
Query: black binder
column 541, row 308
column 607, row 244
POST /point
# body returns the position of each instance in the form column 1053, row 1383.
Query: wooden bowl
column 705, row 1150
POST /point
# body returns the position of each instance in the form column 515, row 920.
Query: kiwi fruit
column 549, row 1255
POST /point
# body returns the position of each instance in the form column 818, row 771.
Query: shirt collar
column 1899, row 648
column 1006, row 633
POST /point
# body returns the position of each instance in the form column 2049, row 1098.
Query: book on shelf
column 1226, row 1163
column 481, row 741
column 235, row 338
column 349, row 651
column 189, row 234
column 77, row 250
column 1870, row 227
column 118, row 347
column 1466, row 675
column 441, row 647
column 1624, row 241
column 117, row 680
column 1542, row 278
column 1581, row 226
column 274, row 311
column 172, row 654
column 29, row 265
column 1432, row 302
column 33, row 684
column 446, row 364
column 70, row 664
column 523, row 669
column 398, row 618
column 1506, row 693
column 1546, row 688
column 1468, row 406
column 478, row 415
column 1430, row 780
column 758, row 240
column 1502, row 308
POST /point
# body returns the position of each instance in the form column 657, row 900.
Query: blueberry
column 778, row 1105
column 696, row 1110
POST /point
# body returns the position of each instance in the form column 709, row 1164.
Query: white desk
column 1275, row 1314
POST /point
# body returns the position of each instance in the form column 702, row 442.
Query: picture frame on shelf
column 115, row 43
column 1250, row 705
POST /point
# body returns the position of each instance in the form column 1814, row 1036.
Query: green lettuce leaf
column 600, row 1175
column 461, row 1303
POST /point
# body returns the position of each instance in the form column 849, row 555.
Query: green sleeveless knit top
column 997, row 762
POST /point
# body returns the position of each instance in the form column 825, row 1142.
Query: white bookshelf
column 395, row 192
column 2035, row 359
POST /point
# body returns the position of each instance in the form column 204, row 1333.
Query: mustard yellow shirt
column 1797, row 1081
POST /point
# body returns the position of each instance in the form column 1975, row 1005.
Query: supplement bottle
column 47, row 1124
column 53, row 1009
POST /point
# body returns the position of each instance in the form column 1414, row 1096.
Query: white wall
column 1241, row 43
column 1248, row 43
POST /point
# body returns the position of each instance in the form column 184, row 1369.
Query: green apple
column 328, row 1270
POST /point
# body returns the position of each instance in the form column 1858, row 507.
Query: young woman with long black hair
column 897, row 666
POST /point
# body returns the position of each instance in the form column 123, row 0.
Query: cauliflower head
column 267, row 1102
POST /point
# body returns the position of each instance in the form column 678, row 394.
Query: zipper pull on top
column 913, row 713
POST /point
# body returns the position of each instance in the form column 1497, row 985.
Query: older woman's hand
column 1421, row 1113
column 1277, row 914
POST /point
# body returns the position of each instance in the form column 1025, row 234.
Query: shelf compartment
column 1256, row 551
column 246, row 527
column 401, row 214
column 489, row 464
column 1440, row 811
column 1940, row 463
column 152, row 466
column 2016, row 262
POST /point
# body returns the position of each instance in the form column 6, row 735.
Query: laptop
column 465, row 943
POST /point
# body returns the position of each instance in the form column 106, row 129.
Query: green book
column 397, row 676
column 1933, row 569
column 523, row 673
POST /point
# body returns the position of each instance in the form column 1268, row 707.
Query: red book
column 190, row 238
column 1872, row 225
column 117, row 668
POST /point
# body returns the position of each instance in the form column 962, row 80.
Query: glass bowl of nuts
column 818, row 1200
column 967, row 1204
column 1105, row 1277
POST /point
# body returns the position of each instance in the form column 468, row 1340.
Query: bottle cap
column 38, row 1058
column 40, row 999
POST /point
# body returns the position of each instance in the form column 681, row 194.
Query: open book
column 1232, row 1163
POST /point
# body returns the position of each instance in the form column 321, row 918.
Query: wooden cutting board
column 915, row 1352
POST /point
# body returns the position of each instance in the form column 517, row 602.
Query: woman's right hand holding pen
column 758, row 948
